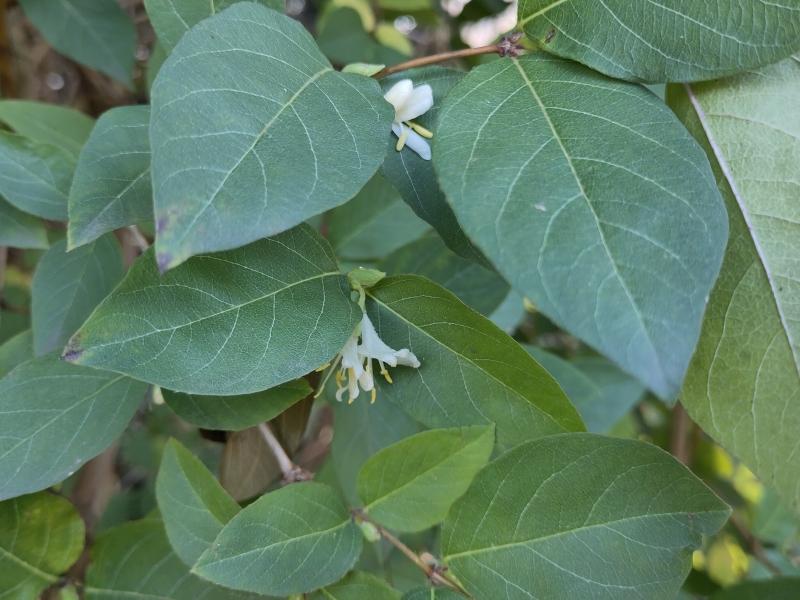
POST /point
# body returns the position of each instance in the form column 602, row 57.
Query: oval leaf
column 357, row 586
column 66, row 288
column 59, row 126
column 587, row 516
column 111, row 187
column 20, row 230
column 234, row 413
column 54, row 417
column 290, row 541
column 16, row 351
column 472, row 373
column 231, row 323
column 193, row 504
column 664, row 40
column 600, row 207
column 277, row 135
column 743, row 386
column 411, row 485
column 41, row 536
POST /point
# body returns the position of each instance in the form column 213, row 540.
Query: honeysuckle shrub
column 306, row 318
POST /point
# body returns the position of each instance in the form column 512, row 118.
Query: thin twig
column 291, row 472
column 756, row 548
column 3, row 258
column 680, row 435
column 506, row 47
column 436, row 574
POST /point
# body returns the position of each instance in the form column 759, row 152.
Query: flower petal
column 418, row 144
column 399, row 94
column 406, row 358
column 373, row 346
column 418, row 103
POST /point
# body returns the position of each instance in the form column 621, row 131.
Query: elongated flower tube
column 409, row 103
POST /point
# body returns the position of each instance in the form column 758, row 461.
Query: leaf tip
column 72, row 352
column 164, row 261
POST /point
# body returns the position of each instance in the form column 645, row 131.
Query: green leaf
column 411, row 485
column 41, row 535
column 600, row 207
column 59, row 126
column 664, row 40
column 373, row 224
column 225, row 324
column 290, row 541
column 96, row 33
column 19, row 229
column 414, row 177
column 587, row 516
column 234, row 413
column 357, row 586
column 54, row 417
column 16, row 351
column 67, row 286
column 478, row 287
column 343, row 39
column 471, row 374
column 277, row 136
column 743, row 386
column 428, row 593
column 111, row 187
column 193, row 504
column 135, row 560
column 780, row 588
column 35, row 177
column 602, row 393
column 172, row 18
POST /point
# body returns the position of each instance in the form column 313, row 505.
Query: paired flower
column 409, row 103
column 354, row 362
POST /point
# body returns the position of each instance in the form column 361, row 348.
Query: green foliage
column 20, row 230
column 357, row 586
column 46, row 123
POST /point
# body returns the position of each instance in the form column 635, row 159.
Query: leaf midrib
column 27, row 566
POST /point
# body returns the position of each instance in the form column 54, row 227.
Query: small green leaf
column 365, row 69
column 35, row 177
column 411, row 485
column 780, row 588
column 664, row 40
column 600, row 207
column 234, row 413
column 225, row 324
column 135, row 560
column 193, row 504
column 588, row 516
column 59, row 126
column 96, row 33
column 41, row 536
column 290, row 541
column 54, row 417
column 365, row 278
column 357, row 586
column 16, row 351
column 471, row 374
column 68, row 286
column 20, row 230
column 111, row 187
column 277, row 136
column 172, row 18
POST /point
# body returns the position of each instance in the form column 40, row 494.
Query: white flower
column 354, row 362
column 409, row 103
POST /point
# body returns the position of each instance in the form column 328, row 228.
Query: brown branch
column 754, row 544
column 436, row 574
column 7, row 86
column 292, row 473
column 507, row 47
column 3, row 259
column 680, row 445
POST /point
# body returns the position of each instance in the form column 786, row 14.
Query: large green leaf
column 35, row 177
column 111, row 187
column 782, row 588
column 135, row 561
column 54, row 417
column 172, row 18
column 67, row 286
column 59, row 126
column 587, row 517
column 16, row 351
column 19, row 229
column 743, row 386
column 343, row 39
column 96, row 33
column 41, row 535
column 472, row 373
column 193, row 504
column 357, row 586
column 476, row 286
column 414, row 177
column 599, row 390
column 231, row 323
column 290, row 541
column 276, row 137
column 665, row 40
column 411, row 485
column 591, row 199
column 234, row 413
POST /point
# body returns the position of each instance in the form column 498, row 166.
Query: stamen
column 401, row 140
column 420, row 129
column 385, row 373
column 374, row 396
